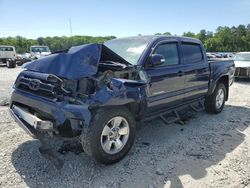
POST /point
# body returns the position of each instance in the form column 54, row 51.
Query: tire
column 93, row 141
column 11, row 64
column 211, row 104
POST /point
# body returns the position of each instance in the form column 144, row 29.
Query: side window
column 9, row 49
column 170, row 52
column 192, row 52
column 6, row 49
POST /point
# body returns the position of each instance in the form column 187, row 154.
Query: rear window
column 6, row 49
column 192, row 52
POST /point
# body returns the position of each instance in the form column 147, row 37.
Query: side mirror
column 157, row 59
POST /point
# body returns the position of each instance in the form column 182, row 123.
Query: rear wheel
column 215, row 102
column 110, row 136
column 11, row 64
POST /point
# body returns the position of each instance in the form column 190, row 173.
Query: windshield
column 40, row 49
column 6, row 49
column 242, row 57
column 129, row 49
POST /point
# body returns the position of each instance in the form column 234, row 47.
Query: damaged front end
column 57, row 95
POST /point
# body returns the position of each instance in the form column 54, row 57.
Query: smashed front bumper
column 63, row 115
column 33, row 129
column 27, row 109
column 242, row 72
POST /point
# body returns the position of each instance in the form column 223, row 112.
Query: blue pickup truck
column 97, row 92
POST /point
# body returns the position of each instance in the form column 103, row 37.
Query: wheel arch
column 137, row 108
column 223, row 79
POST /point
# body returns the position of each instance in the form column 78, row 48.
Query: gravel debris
column 159, row 172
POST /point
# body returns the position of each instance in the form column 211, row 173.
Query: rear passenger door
column 196, row 70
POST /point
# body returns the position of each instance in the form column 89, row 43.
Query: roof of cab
column 6, row 46
column 161, row 37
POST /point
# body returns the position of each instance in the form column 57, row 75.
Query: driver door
column 166, row 87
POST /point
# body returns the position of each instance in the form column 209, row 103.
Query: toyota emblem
column 34, row 84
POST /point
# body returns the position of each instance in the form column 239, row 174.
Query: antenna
column 70, row 27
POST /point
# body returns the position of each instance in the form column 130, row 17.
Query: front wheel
column 215, row 102
column 110, row 135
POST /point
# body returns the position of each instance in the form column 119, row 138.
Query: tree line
column 224, row 39
column 22, row 44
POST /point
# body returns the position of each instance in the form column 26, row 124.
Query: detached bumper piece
column 35, row 127
column 242, row 72
column 30, row 123
column 32, row 120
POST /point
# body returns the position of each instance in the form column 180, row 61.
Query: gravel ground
column 207, row 151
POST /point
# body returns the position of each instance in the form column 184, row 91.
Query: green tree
column 189, row 34
column 233, row 39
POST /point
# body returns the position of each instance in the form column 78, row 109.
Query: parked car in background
column 220, row 55
column 8, row 56
column 229, row 55
column 23, row 58
column 39, row 51
column 211, row 56
column 242, row 64
column 214, row 55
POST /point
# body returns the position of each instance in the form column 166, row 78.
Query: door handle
column 180, row 73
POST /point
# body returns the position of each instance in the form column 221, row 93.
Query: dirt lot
column 207, row 151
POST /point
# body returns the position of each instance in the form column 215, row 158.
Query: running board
column 199, row 108
column 170, row 119
column 174, row 115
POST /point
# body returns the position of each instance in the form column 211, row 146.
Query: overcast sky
column 35, row 18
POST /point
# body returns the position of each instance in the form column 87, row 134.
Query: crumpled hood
column 242, row 64
column 77, row 62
